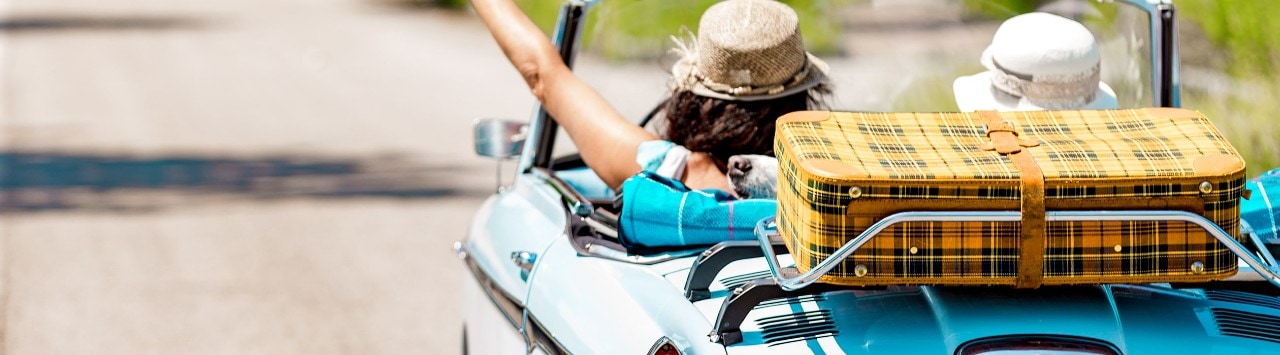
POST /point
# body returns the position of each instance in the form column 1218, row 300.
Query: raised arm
column 606, row 140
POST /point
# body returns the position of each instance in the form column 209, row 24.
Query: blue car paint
column 522, row 217
column 592, row 305
column 609, row 307
column 613, row 307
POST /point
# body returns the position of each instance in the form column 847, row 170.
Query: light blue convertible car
column 551, row 276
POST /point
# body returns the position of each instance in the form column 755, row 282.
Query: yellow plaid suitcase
column 841, row 172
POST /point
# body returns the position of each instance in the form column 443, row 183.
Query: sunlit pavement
column 263, row 176
column 239, row 177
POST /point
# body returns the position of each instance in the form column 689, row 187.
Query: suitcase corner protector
column 1170, row 112
column 805, row 116
column 1218, row 165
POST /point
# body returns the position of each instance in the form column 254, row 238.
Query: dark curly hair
column 725, row 128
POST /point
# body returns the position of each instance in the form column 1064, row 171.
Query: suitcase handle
column 766, row 227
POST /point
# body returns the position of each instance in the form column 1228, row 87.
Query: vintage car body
column 548, row 276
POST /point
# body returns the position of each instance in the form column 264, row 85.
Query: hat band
column 1050, row 91
column 752, row 90
column 687, row 75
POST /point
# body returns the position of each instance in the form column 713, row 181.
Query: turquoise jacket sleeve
column 661, row 212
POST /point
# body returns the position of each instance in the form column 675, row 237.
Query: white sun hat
column 1037, row 61
column 747, row 50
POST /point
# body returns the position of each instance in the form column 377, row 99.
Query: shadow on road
column 33, row 23
column 33, row 181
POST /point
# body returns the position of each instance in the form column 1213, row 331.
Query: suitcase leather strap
column 1004, row 140
column 1000, row 141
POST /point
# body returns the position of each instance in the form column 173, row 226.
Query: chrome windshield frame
column 567, row 39
column 1164, row 50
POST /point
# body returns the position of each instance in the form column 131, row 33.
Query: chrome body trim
column 597, row 251
column 506, row 303
column 580, row 210
column 537, row 336
column 1257, row 243
column 577, row 204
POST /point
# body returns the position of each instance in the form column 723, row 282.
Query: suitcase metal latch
column 1005, row 143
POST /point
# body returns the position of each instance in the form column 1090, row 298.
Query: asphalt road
column 242, row 177
column 261, row 176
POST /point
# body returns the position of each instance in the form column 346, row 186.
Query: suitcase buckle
column 1005, row 144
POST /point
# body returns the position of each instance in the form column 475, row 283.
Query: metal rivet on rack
column 1206, row 187
column 860, row 270
column 855, row 192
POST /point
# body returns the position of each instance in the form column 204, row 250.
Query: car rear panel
column 939, row 320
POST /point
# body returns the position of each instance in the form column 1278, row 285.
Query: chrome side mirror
column 501, row 139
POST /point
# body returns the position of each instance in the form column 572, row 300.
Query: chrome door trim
column 506, row 304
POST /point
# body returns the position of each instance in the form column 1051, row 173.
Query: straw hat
column 1037, row 61
column 747, row 50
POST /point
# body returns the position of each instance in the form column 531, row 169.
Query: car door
column 502, row 248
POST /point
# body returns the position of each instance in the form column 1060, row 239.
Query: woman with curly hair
column 746, row 67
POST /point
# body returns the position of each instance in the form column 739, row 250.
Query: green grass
column 1246, row 34
column 642, row 28
column 1238, row 38
column 1246, row 30
column 1247, row 122
column 999, row 9
column 931, row 92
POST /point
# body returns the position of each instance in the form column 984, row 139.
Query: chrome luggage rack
column 789, row 282
column 1264, row 264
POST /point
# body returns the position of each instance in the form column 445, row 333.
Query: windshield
column 885, row 55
